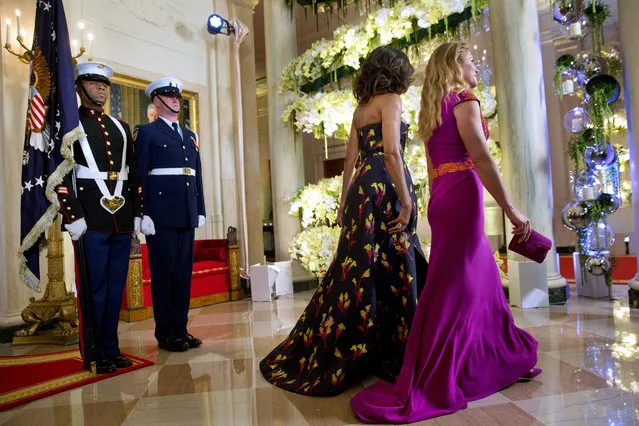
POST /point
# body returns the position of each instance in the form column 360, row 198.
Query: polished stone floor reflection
column 588, row 350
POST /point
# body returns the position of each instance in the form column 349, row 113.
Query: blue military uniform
column 99, row 202
column 171, row 179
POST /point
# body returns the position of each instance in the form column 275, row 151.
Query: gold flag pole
column 55, row 302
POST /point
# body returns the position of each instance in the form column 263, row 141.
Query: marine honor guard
column 171, row 180
column 99, row 200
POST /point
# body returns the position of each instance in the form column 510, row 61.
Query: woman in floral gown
column 357, row 321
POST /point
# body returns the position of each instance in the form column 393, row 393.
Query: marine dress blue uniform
column 100, row 207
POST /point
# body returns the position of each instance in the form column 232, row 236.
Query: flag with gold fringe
column 50, row 130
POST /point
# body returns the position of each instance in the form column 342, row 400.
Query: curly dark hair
column 385, row 70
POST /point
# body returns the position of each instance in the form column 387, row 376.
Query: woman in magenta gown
column 464, row 344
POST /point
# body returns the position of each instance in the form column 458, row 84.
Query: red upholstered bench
column 215, row 278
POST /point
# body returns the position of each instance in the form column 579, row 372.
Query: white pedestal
column 527, row 284
column 588, row 285
column 284, row 280
column 263, row 282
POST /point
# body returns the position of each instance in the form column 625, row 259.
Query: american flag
column 51, row 128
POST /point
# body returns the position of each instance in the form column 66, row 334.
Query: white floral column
column 629, row 34
column 524, row 136
column 287, row 170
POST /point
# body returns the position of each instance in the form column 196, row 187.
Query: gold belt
column 457, row 166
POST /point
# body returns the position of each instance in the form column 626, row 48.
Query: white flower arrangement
column 329, row 114
column 317, row 204
column 323, row 114
column 415, row 159
column 351, row 44
column 487, row 100
column 315, row 247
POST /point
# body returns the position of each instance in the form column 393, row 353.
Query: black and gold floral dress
column 357, row 321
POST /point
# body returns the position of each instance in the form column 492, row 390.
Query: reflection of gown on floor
column 357, row 321
column 464, row 344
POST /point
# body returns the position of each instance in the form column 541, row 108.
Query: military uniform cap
column 94, row 71
column 167, row 86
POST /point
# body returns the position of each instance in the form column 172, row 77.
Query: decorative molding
column 261, row 87
column 247, row 3
column 160, row 14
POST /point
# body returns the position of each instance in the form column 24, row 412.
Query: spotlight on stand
column 219, row 25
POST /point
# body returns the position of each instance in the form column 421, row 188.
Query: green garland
column 596, row 212
column 340, row 5
column 563, row 64
column 601, row 114
column 596, row 14
column 443, row 26
column 577, row 147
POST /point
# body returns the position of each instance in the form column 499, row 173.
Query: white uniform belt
column 82, row 172
column 172, row 171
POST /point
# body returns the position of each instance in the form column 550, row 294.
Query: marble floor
column 588, row 350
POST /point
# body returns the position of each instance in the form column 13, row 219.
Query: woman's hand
column 400, row 223
column 521, row 225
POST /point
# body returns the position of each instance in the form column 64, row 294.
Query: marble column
column 223, row 125
column 214, row 211
column 524, row 136
column 243, row 10
column 287, row 171
column 14, row 86
column 558, row 291
column 629, row 34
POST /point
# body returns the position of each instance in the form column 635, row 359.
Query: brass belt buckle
column 113, row 175
column 187, row 171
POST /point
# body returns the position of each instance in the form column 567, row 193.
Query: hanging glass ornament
column 608, row 203
column 600, row 157
column 575, row 216
column 565, row 74
column 573, row 186
column 611, row 180
column 600, row 238
column 567, row 11
column 598, row 265
column 615, row 66
column 590, row 66
column 605, row 83
column 588, row 185
column 576, row 120
column 568, row 83
column 575, row 30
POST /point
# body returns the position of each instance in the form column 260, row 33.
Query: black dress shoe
column 103, row 366
column 173, row 344
column 193, row 342
column 121, row 361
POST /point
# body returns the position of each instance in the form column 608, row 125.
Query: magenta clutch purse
column 536, row 248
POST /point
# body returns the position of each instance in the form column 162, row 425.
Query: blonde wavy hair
column 443, row 75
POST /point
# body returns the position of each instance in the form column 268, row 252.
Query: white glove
column 76, row 229
column 201, row 220
column 147, row 226
column 137, row 225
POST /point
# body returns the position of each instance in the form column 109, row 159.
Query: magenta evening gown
column 464, row 344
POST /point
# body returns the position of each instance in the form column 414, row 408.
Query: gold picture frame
column 132, row 103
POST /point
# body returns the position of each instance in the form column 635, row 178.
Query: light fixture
column 626, row 241
column 218, row 25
